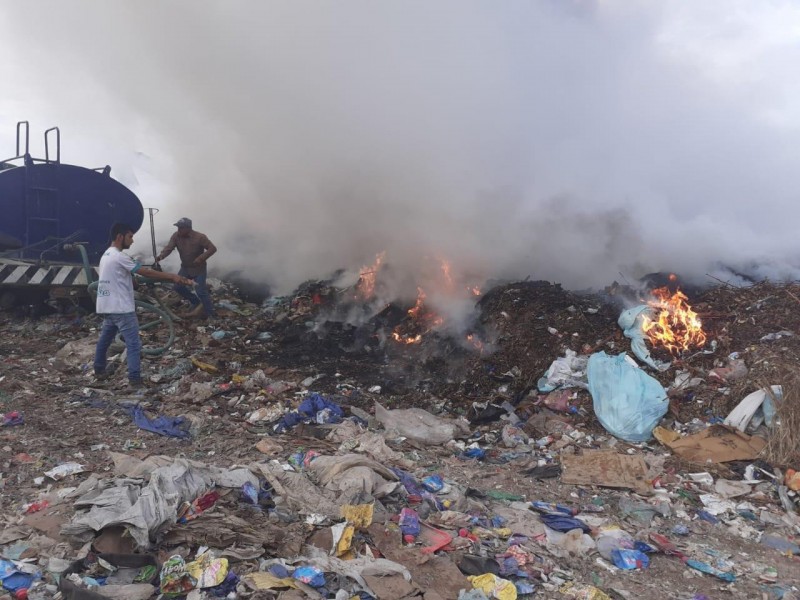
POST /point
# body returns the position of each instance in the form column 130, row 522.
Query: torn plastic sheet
column 299, row 493
column 566, row 371
column 177, row 427
column 631, row 323
column 349, row 474
column 145, row 507
column 420, row 425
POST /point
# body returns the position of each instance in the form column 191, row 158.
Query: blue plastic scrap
column 473, row 453
column 313, row 409
column 707, row 516
column 278, row 571
column 563, row 523
column 551, row 508
column 524, row 587
column 12, row 579
column 227, row 586
column 709, row 570
column 249, row 493
column 167, row 426
column 310, row 575
column 628, row 402
column 630, row 559
column 433, row 483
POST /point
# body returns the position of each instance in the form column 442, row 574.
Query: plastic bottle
column 409, row 525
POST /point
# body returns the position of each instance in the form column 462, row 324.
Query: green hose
column 161, row 311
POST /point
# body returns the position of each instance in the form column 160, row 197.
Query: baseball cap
column 184, row 222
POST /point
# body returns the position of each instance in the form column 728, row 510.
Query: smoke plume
column 567, row 141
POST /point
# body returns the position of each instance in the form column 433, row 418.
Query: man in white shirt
column 116, row 303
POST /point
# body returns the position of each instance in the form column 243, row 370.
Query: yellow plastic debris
column 238, row 378
column 502, row 532
column 359, row 515
column 494, row 586
column 583, row 592
column 208, row 571
column 204, row 366
column 267, row 581
column 342, row 540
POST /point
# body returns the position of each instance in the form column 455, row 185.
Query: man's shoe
column 136, row 384
column 100, row 377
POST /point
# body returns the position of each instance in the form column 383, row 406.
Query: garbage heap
column 286, row 450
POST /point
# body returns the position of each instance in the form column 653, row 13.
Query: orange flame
column 476, row 343
column 405, row 338
column 677, row 326
column 474, row 290
column 448, row 278
column 368, row 275
column 420, row 318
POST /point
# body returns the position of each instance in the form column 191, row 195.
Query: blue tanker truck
column 54, row 222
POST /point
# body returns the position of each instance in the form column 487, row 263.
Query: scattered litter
column 10, row 419
column 340, row 497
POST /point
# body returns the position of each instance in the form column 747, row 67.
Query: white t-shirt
column 115, row 288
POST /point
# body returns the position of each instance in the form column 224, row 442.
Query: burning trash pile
column 510, row 441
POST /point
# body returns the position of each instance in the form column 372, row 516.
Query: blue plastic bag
column 630, row 559
column 310, row 575
column 550, row 508
column 313, row 409
column 563, row 523
column 627, row 401
column 12, row 579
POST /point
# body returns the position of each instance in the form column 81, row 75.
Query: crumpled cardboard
column 717, row 444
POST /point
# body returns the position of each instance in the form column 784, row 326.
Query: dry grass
column 783, row 446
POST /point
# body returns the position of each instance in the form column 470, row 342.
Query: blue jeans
column 128, row 325
column 200, row 294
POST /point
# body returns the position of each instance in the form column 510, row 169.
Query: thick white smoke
column 558, row 140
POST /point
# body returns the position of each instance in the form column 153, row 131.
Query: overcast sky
column 565, row 140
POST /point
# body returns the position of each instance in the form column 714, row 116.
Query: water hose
column 165, row 316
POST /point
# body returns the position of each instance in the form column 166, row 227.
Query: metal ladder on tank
column 42, row 206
